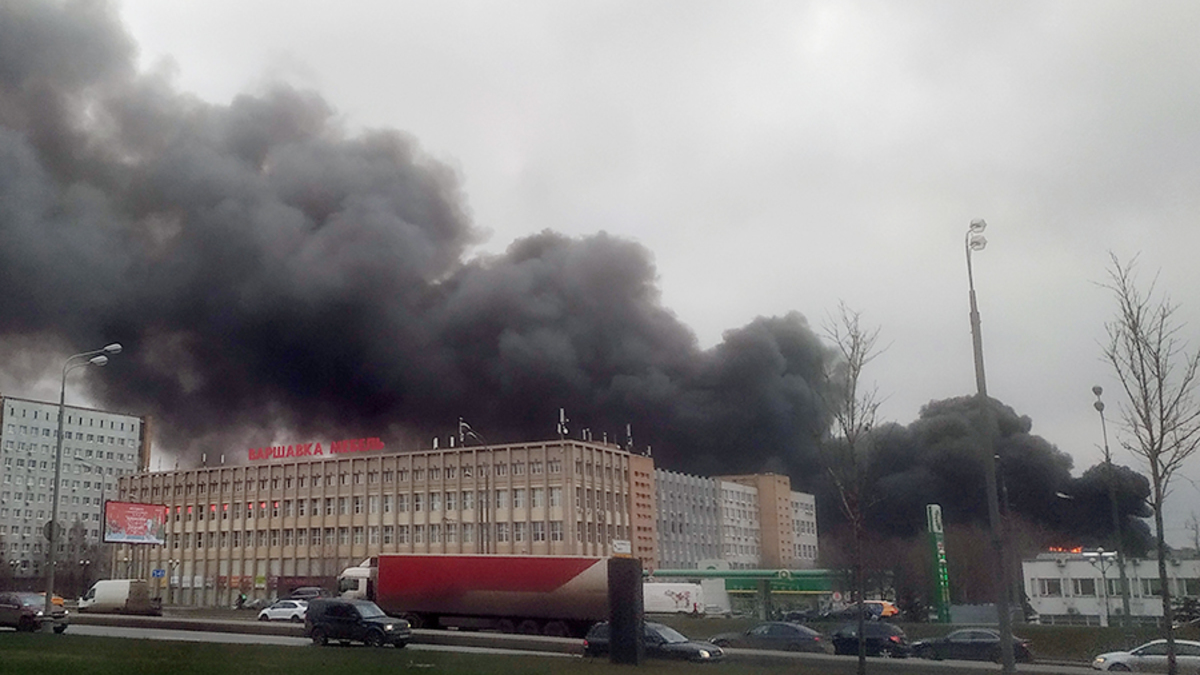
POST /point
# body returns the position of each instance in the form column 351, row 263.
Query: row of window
column 329, row 506
column 449, row 533
column 1088, row 586
column 19, row 479
column 318, row 478
column 41, row 513
column 67, row 452
column 47, row 432
column 48, row 415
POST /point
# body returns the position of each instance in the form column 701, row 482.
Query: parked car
column 881, row 637
column 873, row 610
column 1151, row 658
column 975, row 644
column 661, row 641
column 354, row 620
column 27, row 611
column 285, row 610
column 777, row 635
column 308, row 593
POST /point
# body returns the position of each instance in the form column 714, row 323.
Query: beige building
column 765, row 524
column 294, row 517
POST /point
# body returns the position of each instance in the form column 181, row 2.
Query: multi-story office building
column 294, row 517
column 99, row 447
column 747, row 521
column 689, row 519
column 804, row 530
column 741, row 531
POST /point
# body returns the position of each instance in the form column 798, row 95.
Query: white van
column 120, row 596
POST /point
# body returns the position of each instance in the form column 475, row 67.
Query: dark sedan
column 975, row 644
column 881, row 638
column 661, row 641
column 777, row 635
column 26, row 611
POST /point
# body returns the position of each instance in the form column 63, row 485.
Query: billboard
column 133, row 523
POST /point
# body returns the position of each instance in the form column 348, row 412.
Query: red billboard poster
column 133, row 523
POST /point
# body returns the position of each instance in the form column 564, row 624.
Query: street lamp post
column 1102, row 560
column 976, row 242
column 1116, row 515
column 97, row 357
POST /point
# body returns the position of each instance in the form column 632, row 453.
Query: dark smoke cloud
column 267, row 271
column 937, row 460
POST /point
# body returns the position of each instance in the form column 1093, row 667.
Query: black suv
column 354, row 620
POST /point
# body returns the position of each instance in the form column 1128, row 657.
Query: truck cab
column 358, row 583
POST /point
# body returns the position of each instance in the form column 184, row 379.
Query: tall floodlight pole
column 96, row 357
column 1116, row 515
column 976, row 242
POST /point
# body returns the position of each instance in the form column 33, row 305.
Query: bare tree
column 1161, row 418
column 850, row 410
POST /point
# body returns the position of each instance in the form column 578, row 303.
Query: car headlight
column 704, row 654
column 389, row 627
column 40, row 612
column 1099, row 659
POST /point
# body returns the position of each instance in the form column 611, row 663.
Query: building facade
column 290, row 519
column 689, row 519
column 99, row 448
column 748, row 521
column 1083, row 587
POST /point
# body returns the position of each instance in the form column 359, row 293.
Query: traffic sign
column 52, row 530
column 158, row 573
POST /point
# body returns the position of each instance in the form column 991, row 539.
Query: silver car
column 1151, row 658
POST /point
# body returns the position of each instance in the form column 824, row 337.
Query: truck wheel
column 555, row 629
column 320, row 637
column 506, row 626
column 414, row 620
column 60, row 628
column 373, row 639
column 529, row 627
column 400, row 644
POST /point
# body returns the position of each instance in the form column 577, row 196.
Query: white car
column 1151, row 658
column 285, row 610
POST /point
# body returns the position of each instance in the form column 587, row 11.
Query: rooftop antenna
column 465, row 430
column 629, row 437
column 435, row 442
column 562, row 423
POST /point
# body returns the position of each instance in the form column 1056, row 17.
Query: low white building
column 1083, row 587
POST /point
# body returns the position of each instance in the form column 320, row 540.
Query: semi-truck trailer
column 547, row 595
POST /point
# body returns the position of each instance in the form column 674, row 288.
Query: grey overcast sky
column 781, row 156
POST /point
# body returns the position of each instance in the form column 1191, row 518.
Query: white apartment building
column 98, row 447
column 1083, row 588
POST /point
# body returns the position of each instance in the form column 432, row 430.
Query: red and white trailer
column 547, row 595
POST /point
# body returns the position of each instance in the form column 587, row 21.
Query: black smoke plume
column 937, row 459
column 270, row 274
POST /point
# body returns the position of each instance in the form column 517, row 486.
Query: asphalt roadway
column 289, row 634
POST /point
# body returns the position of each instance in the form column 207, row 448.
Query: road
column 243, row 638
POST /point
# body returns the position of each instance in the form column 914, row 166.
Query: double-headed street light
column 1116, row 515
column 976, row 242
column 96, row 357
